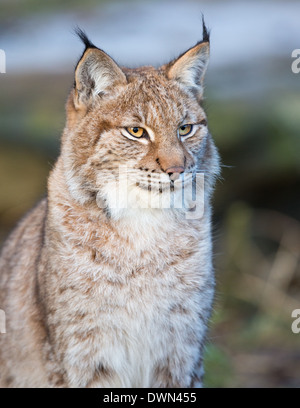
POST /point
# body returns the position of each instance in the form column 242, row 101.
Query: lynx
column 99, row 292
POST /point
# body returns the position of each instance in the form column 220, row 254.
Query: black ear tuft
column 205, row 31
column 84, row 38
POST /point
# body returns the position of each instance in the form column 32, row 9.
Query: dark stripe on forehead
column 104, row 127
column 161, row 103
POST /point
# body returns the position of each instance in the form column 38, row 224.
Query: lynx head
column 145, row 123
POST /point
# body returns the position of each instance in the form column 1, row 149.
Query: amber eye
column 185, row 130
column 136, row 131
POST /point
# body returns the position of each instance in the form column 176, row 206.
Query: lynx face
column 134, row 137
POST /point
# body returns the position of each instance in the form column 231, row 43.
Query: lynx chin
column 99, row 295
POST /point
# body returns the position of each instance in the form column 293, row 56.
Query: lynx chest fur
column 108, row 282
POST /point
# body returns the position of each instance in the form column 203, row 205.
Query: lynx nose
column 174, row 172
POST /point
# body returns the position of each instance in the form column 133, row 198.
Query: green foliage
column 218, row 368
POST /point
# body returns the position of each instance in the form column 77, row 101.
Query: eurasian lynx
column 99, row 292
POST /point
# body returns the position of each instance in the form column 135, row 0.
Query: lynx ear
column 95, row 74
column 189, row 69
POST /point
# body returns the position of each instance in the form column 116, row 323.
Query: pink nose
column 174, row 172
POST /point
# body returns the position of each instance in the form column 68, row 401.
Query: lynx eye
column 185, row 130
column 136, row 131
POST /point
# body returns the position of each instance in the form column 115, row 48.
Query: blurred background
column 253, row 106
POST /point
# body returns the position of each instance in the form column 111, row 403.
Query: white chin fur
column 125, row 198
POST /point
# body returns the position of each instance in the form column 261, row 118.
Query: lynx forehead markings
column 103, row 295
